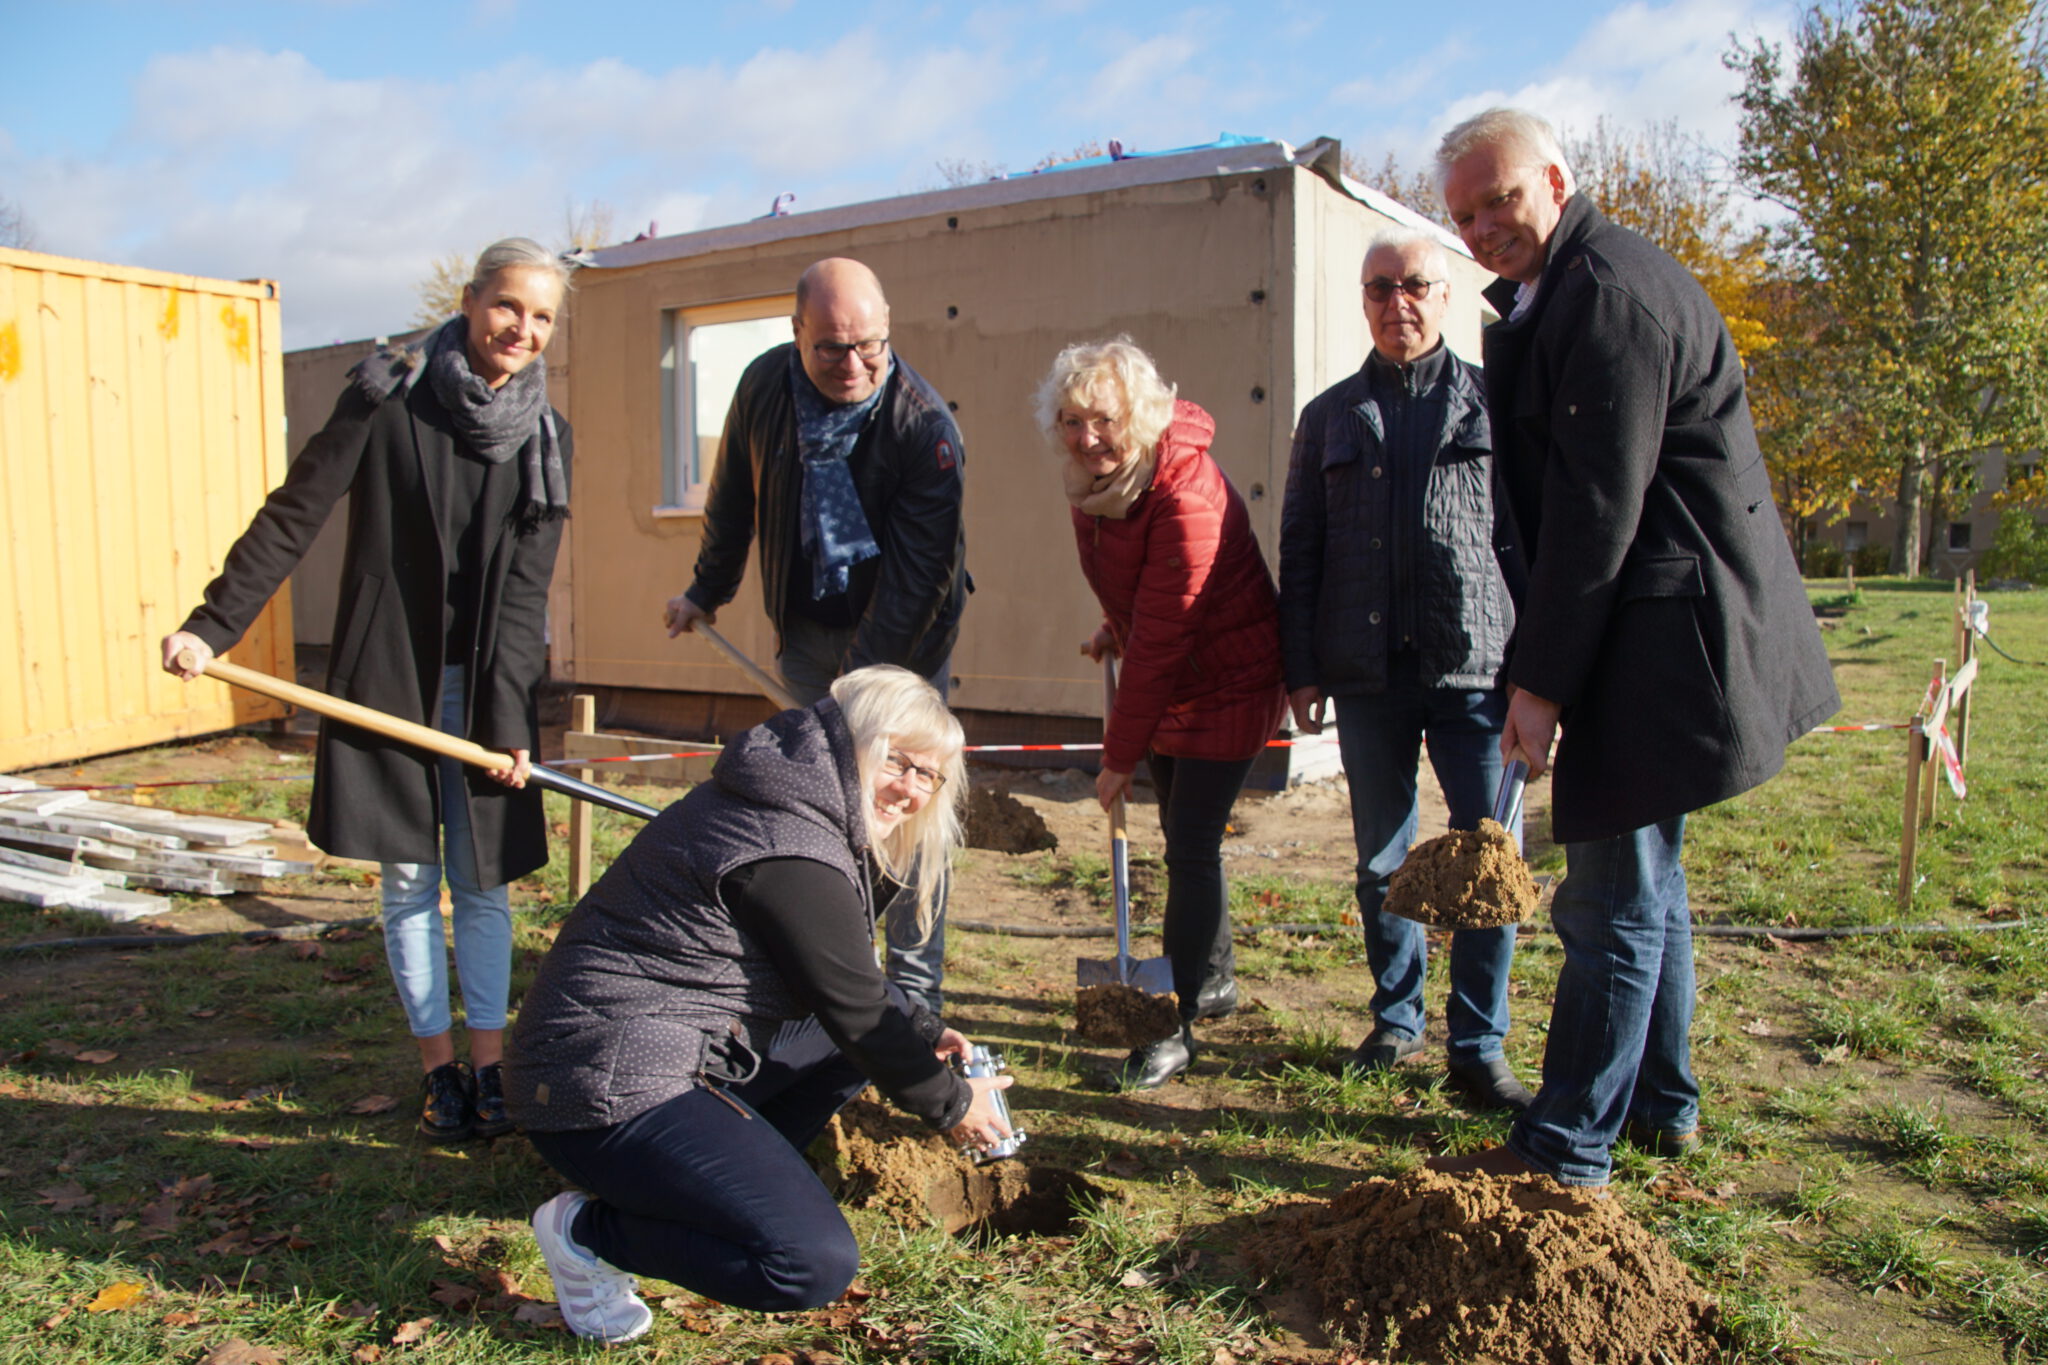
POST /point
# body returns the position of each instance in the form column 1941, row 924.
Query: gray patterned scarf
column 835, row 531
column 495, row 423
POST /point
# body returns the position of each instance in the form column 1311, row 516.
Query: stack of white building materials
column 64, row 848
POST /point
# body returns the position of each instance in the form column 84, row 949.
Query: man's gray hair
column 1515, row 130
column 1400, row 239
column 518, row 251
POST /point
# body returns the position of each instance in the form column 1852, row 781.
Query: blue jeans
column 413, row 941
column 809, row 661
column 1619, row 1048
column 1380, row 737
column 710, row 1189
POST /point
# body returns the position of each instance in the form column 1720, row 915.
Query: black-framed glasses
column 835, row 352
column 1379, row 288
column 926, row 780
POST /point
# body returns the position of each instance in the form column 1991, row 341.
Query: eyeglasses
column 1379, row 288
column 835, row 352
column 926, row 780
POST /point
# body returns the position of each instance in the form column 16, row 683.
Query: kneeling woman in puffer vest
column 715, row 1000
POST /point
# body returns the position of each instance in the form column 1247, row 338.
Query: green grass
column 1876, row 1110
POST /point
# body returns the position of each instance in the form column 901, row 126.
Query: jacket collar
column 1575, row 224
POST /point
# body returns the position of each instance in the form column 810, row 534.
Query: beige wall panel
column 1226, row 280
column 119, row 419
column 980, row 309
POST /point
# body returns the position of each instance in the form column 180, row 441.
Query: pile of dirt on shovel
column 999, row 821
column 1467, row 879
column 1117, row 1015
column 1491, row 1271
column 877, row 1158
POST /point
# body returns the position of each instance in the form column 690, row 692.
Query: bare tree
column 1413, row 189
column 587, row 227
column 441, row 291
column 957, row 171
column 15, row 229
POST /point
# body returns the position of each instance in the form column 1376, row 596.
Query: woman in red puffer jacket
column 1188, row 604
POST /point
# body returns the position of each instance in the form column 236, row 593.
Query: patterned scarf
column 835, row 530
column 495, row 423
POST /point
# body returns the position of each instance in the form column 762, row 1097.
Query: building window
column 2019, row 471
column 1855, row 534
column 1959, row 535
column 703, row 353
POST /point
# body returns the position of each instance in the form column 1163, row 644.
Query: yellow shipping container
column 141, row 426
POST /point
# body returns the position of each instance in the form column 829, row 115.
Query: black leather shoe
column 448, row 1105
column 1492, row 1084
column 1660, row 1142
column 1217, row 998
column 1152, row 1066
column 491, row 1119
column 1381, row 1049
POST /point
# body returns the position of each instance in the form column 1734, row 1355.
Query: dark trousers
column 1195, row 797
column 716, row 1196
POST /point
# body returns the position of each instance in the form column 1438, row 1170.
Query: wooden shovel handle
column 334, row 708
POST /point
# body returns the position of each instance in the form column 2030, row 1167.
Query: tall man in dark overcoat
column 848, row 467
column 1664, row 637
column 1395, row 606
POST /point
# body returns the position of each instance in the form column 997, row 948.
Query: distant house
column 1236, row 265
column 1955, row 543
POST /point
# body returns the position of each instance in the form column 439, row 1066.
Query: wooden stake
column 582, row 716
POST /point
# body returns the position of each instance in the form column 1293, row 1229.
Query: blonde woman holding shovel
column 457, row 475
column 1188, row 604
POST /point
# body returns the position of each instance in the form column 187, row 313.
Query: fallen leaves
column 236, row 1351
column 373, row 1104
column 117, row 1296
column 98, row 1056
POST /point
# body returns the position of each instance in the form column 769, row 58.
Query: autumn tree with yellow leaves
column 1908, row 142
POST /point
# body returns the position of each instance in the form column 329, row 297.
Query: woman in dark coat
column 1188, row 604
column 715, row 1000
column 457, row 475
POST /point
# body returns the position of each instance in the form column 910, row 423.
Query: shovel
column 1154, row 975
column 1422, row 888
column 407, row 732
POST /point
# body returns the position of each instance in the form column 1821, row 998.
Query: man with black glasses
column 848, row 465
column 1394, row 606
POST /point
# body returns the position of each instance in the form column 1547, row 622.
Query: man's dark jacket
column 1663, row 611
column 1353, row 534
column 908, row 469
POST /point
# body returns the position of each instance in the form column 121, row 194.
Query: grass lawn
column 207, row 1152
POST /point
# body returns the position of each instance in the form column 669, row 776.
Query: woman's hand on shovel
column 516, row 775
column 176, row 643
column 1112, row 786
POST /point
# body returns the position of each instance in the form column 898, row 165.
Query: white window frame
column 684, row 471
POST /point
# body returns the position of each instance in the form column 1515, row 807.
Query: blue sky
column 340, row 146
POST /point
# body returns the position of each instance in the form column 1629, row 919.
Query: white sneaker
column 597, row 1300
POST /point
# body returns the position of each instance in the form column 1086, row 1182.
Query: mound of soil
column 1467, row 879
column 1491, row 1269
column 1117, row 1015
column 999, row 821
column 879, row 1159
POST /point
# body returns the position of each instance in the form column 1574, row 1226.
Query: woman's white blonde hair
column 889, row 707
column 1116, row 377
